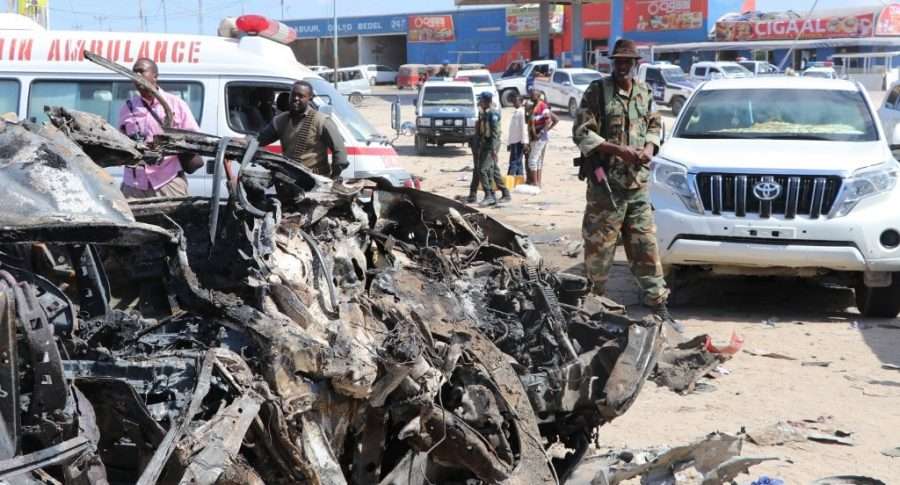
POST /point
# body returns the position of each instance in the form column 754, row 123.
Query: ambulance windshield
column 344, row 112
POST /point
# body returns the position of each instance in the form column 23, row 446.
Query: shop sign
column 525, row 20
column 661, row 15
column 431, row 28
column 861, row 25
column 889, row 21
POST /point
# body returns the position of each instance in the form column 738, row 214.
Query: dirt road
column 797, row 319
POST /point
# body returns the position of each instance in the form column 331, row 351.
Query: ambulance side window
column 103, row 98
column 9, row 96
column 252, row 106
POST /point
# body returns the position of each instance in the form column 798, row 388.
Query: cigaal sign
column 787, row 29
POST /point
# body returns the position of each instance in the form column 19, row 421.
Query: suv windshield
column 802, row 114
column 735, row 69
column 585, row 77
column 448, row 96
column 346, row 114
column 674, row 75
column 477, row 79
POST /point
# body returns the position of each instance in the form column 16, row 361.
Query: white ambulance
column 233, row 84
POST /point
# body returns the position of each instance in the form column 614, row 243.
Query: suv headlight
column 864, row 183
column 423, row 121
column 674, row 177
column 470, row 122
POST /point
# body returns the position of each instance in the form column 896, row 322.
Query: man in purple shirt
column 142, row 117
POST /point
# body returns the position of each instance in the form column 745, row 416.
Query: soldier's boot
column 505, row 197
column 488, row 200
column 662, row 312
column 472, row 198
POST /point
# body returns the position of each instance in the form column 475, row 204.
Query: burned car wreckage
column 288, row 330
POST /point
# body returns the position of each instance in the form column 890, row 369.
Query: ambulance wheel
column 573, row 107
column 677, row 104
column 507, row 96
column 421, row 144
column 356, row 99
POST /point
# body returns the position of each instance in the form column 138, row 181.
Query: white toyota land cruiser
column 783, row 176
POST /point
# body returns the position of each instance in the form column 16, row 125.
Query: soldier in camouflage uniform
column 488, row 144
column 618, row 131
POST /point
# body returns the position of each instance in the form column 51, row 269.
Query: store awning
column 773, row 44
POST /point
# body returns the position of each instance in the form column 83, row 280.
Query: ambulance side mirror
column 395, row 114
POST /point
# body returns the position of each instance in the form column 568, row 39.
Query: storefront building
column 681, row 31
column 495, row 36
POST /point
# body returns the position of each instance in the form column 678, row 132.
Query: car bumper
column 453, row 135
column 849, row 243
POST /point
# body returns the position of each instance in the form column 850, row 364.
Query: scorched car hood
column 52, row 191
column 774, row 156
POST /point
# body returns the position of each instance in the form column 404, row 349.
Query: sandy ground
column 799, row 319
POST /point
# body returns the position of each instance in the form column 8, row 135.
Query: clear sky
column 182, row 16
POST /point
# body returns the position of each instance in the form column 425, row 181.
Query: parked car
column 782, row 176
column 671, row 86
column 890, row 77
column 760, row 68
column 378, row 74
column 889, row 113
column 702, row 71
column 565, row 87
column 411, row 76
column 821, row 72
column 515, row 81
column 482, row 80
column 352, row 82
column 446, row 112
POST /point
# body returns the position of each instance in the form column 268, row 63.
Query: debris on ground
column 848, row 480
column 573, row 249
column 769, row 355
column 891, row 452
column 713, row 460
column 783, row 432
column 766, row 480
column 682, row 365
column 287, row 329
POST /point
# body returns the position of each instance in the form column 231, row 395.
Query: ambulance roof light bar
column 261, row 26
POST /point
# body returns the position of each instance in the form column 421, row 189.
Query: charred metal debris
column 285, row 330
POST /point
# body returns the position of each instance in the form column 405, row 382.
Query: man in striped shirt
column 542, row 121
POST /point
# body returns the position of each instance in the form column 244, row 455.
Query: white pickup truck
column 516, row 79
column 565, row 87
column 670, row 85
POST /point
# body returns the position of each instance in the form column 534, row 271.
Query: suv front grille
column 808, row 195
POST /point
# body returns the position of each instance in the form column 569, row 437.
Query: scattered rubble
column 784, row 432
column 713, row 460
column 291, row 330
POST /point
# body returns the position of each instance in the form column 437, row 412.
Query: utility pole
column 200, row 17
column 165, row 17
column 334, row 73
column 282, row 9
column 141, row 13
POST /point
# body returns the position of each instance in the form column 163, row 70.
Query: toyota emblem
column 767, row 190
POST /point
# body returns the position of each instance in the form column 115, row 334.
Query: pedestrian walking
column 488, row 140
column 141, row 118
column 518, row 138
column 307, row 135
column 542, row 121
column 617, row 129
